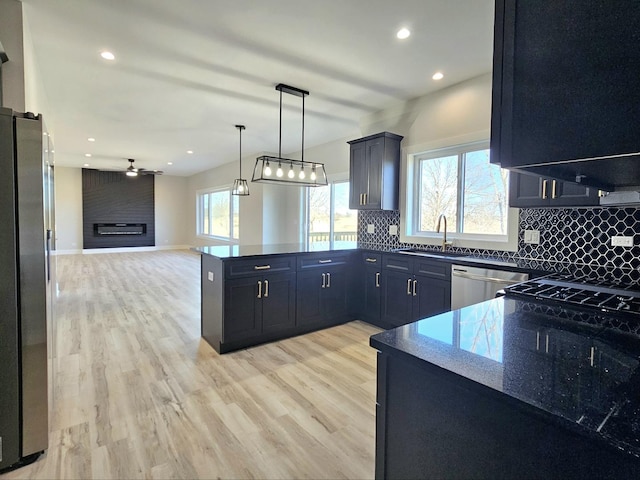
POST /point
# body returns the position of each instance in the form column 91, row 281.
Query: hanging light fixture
column 240, row 186
column 263, row 170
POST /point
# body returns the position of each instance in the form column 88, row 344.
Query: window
column 330, row 222
column 462, row 184
column 218, row 214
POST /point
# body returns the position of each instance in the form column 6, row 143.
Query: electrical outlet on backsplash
column 580, row 237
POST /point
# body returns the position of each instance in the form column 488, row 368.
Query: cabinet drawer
column 236, row 268
column 322, row 259
column 432, row 268
column 372, row 259
column 397, row 262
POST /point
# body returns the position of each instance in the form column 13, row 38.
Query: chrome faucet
column 445, row 244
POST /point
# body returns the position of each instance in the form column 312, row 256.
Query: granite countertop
column 581, row 367
column 237, row 251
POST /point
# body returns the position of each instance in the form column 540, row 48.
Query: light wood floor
column 138, row 394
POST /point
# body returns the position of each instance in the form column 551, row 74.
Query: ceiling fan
column 134, row 172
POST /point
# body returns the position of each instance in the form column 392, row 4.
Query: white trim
column 92, row 251
column 491, row 242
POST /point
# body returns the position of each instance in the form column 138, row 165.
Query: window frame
column 200, row 215
column 342, row 178
column 410, row 189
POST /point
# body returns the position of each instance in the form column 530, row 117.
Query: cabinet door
column 358, row 175
column 374, row 156
column 430, row 297
column 334, row 295
column 243, row 309
column 279, row 302
column 397, row 297
column 370, row 310
column 309, row 298
column 574, row 195
column 526, row 191
column 550, row 109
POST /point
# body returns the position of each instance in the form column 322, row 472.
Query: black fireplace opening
column 109, row 229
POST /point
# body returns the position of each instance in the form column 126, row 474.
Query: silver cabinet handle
column 324, row 261
column 371, row 260
column 415, row 282
column 408, row 286
column 546, row 344
column 554, row 183
column 266, row 288
column 328, row 280
column 365, row 198
column 262, row 267
column 259, row 288
column 378, row 279
column 537, row 341
column 324, row 279
column 591, row 357
column 544, row 189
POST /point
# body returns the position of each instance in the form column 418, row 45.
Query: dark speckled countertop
column 237, row 251
column 579, row 366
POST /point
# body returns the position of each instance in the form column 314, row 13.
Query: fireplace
column 100, row 229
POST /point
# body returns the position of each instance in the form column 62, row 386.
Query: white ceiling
column 187, row 71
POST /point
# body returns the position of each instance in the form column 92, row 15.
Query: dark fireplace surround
column 117, row 211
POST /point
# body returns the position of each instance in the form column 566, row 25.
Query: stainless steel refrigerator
column 26, row 283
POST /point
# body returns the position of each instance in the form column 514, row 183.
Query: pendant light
column 240, row 186
column 298, row 172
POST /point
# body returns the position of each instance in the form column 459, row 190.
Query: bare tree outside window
column 468, row 189
column 322, row 201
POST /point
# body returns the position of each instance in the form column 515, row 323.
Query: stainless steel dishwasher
column 471, row 285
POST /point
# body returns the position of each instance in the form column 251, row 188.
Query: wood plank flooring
column 137, row 394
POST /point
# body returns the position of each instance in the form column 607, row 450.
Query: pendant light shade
column 240, row 186
column 287, row 170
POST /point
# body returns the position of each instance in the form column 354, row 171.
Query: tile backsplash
column 579, row 237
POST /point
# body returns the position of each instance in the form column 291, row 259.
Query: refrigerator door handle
column 48, row 255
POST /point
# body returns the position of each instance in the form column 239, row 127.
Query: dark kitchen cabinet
column 259, row 305
column 323, row 289
column 374, row 169
column 534, row 191
column 565, row 79
column 413, row 288
column 370, row 300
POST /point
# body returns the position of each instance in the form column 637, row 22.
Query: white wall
column 250, row 206
column 170, row 208
column 13, row 71
column 68, row 186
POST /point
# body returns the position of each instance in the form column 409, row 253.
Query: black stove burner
column 598, row 294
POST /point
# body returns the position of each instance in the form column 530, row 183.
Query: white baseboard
column 92, row 251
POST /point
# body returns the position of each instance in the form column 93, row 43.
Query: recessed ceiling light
column 86, row 164
column 438, row 76
column 169, row 163
column 107, row 55
column 403, row 33
column 91, row 139
column 189, row 152
column 87, row 154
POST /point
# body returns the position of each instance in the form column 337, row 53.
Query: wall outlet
column 393, row 229
column 210, row 276
column 371, row 228
column 621, row 241
column 532, row 237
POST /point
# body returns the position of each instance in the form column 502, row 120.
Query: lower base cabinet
column 461, row 430
column 259, row 305
column 322, row 297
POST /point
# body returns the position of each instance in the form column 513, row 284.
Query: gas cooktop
column 586, row 292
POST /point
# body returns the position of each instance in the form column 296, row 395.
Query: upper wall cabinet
column 535, row 191
column 565, row 90
column 374, row 169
